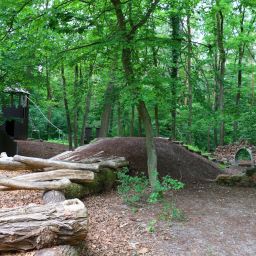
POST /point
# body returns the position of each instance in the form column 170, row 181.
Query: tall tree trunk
column 157, row 94
column 75, row 109
column 139, row 126
column 132, row 121
column 175, row 24
column 239, row 75
column 119, row 120
column 49, row 95
column 150, row 145
column 209, row 139
column 105, row 116
column 221, row 73
column 253, row 88
column 87, row 105
column 157, row 120
column 64, row 88
column 216, row 99
column 190, row 88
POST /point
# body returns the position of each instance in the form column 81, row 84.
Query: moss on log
column 104, row 181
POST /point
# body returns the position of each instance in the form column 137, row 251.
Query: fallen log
column 10, row 165
column 13, row 184
column 114, row 163
column 80, row 176
column 62, row 250
column 43, row 226
column 42, row 163
column 31, row 163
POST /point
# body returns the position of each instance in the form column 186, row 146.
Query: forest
column 186, row 66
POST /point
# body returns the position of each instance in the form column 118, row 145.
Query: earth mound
column 38, row 148
column 173, row 159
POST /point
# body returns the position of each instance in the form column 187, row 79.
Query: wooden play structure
column 15, row 111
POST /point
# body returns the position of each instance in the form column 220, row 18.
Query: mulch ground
column 218, row 221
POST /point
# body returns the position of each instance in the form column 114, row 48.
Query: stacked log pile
column 60, row 222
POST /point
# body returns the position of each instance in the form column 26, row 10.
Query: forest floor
column 217, row 221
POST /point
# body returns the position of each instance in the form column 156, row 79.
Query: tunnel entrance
column 244, row 157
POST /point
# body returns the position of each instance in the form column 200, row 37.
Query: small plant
column 131, row 189
column 151, row 227
column 134, row 189
column 167, row 184
column 171, row 212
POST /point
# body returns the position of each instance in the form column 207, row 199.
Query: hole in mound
column 243, row 155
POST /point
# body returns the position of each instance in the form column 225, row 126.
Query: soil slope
column 38, row 148
column 173, row 159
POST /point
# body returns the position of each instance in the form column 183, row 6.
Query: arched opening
column 244, row 156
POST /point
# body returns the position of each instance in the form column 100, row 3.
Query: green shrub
column 131, row 189
column 135, row 189
column 167, row 184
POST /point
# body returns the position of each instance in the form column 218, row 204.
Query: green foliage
column 243, row 154
column 131, row 188
column 171, row 212
column 37, row 36
column 151, row 226
column 166, row 184
column 134, row 190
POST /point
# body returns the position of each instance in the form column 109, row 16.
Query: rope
column 53, row 125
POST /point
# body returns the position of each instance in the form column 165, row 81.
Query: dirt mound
column 173, row 159
column 37, row 148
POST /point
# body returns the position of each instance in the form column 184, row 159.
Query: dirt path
column 219, row 221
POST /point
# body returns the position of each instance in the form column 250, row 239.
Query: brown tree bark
column 150, row 145
column 132, row 121
column 87, row 105
column 139, row 126
column 190, row 86
column 66, row 105
column 119, row 120
column 239, row 74
column 253, row 88
column 221, row 71
column 216, row 98
column 75, row 108
column 175, row 24
column 157, row 120
column 49, row 94
column 107, row 108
